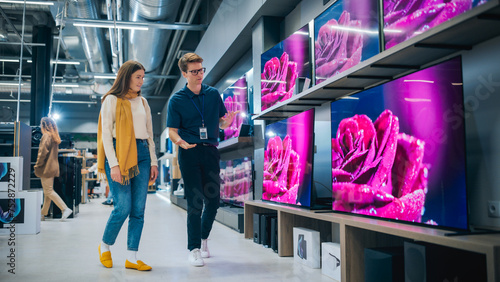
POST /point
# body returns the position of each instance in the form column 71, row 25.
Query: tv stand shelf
column 458, row 34
column 357, row 233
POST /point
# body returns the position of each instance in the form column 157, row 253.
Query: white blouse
column 143, row 126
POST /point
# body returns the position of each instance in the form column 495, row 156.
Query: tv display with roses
column 282, row 65
column 344, row 35
column 236, row 181
column 235, row 98
column 288, row 160
column 398, row 150
column 404, row 19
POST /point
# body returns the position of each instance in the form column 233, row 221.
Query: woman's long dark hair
column 122, row 82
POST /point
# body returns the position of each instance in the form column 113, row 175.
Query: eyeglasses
column 196, row 72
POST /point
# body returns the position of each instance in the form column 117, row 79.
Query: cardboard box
column 306, row 247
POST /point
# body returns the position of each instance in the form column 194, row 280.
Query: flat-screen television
column 404, row 19
column 345, row 34
column 236, row 181
column 398, row 150
column 235, row 98
column 283, row 66
column 288, row 160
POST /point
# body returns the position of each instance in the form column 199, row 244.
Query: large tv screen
column 345, row 34
column 288, row 160
column 398, row 150
column 235, row 98
column 404, row 19
column 282, row 66
column 236, row 181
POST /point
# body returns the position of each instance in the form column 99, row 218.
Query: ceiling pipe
column 175, row 46
column 15, row 30
column 112, row 36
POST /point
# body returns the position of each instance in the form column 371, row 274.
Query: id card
column 203, row 133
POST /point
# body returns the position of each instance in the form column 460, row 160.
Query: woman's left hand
column 154, row 174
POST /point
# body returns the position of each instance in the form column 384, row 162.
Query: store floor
column 67, row 251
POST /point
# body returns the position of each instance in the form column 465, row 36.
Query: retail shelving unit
column 458, row 34
column 354, row 232
column 357, row 233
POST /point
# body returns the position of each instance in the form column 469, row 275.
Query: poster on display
column 282, row 66
column 11, row 172
column 345, row 34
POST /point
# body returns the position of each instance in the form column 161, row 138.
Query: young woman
column 126, row 156
column 47, row 167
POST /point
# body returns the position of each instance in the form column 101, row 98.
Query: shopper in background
column 102, row 182
column 195, row 114
column 126, row 155
column 47, row 167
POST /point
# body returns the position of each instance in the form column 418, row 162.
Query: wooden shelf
column 357, row 233
column 460, row 33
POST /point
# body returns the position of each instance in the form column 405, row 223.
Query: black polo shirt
column 185, row 116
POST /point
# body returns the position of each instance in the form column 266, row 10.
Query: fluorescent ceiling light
column 9, row 60
column 273, row 81
column 10, row 84
column 66, row 62
column 103, row 25
column 46, row 3
column 104, row 76
column 65, row 85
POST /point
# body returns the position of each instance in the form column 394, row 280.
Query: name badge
column 203, row 133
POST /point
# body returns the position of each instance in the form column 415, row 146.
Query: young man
column 195, row 114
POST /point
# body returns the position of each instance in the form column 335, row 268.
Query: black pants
column 200, row 171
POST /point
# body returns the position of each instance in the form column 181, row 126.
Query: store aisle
column 67, row 251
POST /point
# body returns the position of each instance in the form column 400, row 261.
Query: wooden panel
column 356, row 240
column 249, row 211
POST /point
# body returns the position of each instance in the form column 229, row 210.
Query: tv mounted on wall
column 236, row 181
column 398, row 150
column 282, row 66
column 288, row 160
column 345, row 34
column 404, row 19
column 235, row 98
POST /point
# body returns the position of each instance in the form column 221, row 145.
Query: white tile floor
column 67, row 251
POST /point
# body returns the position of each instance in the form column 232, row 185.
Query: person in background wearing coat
column 47, row 167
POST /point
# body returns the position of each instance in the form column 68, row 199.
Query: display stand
column 357, row 233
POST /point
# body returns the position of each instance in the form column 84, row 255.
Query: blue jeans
column 200, row 171
column 129, row 200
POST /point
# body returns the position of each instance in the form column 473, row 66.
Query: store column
column 41, row 73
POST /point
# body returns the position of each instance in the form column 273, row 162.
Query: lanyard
column 202, row 109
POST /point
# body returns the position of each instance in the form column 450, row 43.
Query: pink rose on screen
column 405, row 19
column 337, row 49
column 278, row 80
column 281, row 171
column 377, row 170
column 233, row 130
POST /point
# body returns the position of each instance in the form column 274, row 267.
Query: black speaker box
column 384, row 264
column 274, row 234
column 428, row 262
column 265, row 229
column 256, row 228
